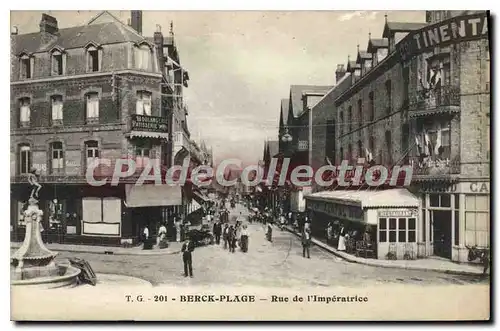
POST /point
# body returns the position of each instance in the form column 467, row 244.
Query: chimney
column 14, row 31
column 48, row 25
column 339, row 73
column 136, row 20
column 158, row 41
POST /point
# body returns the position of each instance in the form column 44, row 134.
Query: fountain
column 33, row 263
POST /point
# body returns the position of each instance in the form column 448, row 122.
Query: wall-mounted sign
column 303, row 145
column 398, row 213
column 149, row 123
column 451, row 31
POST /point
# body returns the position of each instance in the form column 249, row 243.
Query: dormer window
column 58, row 61
column 26, row 66
column 94, row 57
column 93, row 60
column 143, row 57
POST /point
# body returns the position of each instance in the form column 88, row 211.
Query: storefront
column 455, row 216
column 390, row 217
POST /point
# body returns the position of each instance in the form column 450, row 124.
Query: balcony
column 144, row 126
column 434, row 168
column 444, row 99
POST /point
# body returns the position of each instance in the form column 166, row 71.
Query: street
column 276, row 264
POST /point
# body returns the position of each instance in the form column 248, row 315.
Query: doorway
column 142, row 216
column 441, row 226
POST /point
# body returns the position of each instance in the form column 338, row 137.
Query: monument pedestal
column 33, row 259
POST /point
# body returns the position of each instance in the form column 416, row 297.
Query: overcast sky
column 241, row 64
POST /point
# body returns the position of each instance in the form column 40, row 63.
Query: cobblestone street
column 279, row 263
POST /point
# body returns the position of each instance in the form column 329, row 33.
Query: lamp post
column 287, row 139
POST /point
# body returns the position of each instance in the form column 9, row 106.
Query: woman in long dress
column 341, row 246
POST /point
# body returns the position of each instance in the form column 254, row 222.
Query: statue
column 33, row 179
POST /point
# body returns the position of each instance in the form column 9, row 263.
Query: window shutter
column 64, row 64
column 100, row 59
column 32, row 66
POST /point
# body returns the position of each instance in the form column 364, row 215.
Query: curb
column 110, row 252
column 372, row 264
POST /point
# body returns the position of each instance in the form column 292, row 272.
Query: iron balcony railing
column 429, row 99
column 433, row 166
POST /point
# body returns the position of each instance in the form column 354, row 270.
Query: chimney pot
column 136, row 20
column 48, row 24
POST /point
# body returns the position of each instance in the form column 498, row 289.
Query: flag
column 428, row 145
column 438, row 142
column 369, row 156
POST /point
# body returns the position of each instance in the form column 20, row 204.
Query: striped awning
column 398, row 197
column 148, row 134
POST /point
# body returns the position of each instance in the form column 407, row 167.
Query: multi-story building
column 97, row 91
column 418, row 96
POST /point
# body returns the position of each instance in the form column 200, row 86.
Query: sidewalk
column 173, row 248
column 436, row 265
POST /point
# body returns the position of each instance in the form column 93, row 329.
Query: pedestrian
column 237, row 232
column 306, row 240
column 244, row 239
column 329, row 233
column 217, row 231
column 187, row 257
column 269, row 231
column 225, row 235
column 145, row 234
column 342, row 239
column 231, row 237
column 162, row 236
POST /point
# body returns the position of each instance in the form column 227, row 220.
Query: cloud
column 350, row 16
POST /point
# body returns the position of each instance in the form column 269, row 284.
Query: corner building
column 97, row 91
column 425, row 104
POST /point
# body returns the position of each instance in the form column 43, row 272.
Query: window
column 388, row 143
column 24, row 159
column 57, row 64
column 388, row 91
column 142, row 154
column 341, row 123
column 360, row 149
column 93, row 62
column 457, row 226
column 360, row 113
column 392, row 230
column 440, row 200
column 24, row 111
column 349, row 118
column 477, row 220
column 488, row 137
column 143, row 57
column 372, row 106
column 487, row 69
column 342, row 156
column 412, row 230
column 91, row 152
column 57, row 109
column 57, row 157
column 143, row 106
column 92, row 107
column 26, row 64
column 400, row 230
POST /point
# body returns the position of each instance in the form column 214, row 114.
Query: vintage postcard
column 259, row 165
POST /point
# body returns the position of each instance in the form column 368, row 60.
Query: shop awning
column 147, row 134
column 200, row 197
column 151, row 195
column 393, row 198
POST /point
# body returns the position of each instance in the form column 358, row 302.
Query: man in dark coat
column 217, row 231
column 187, row 258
